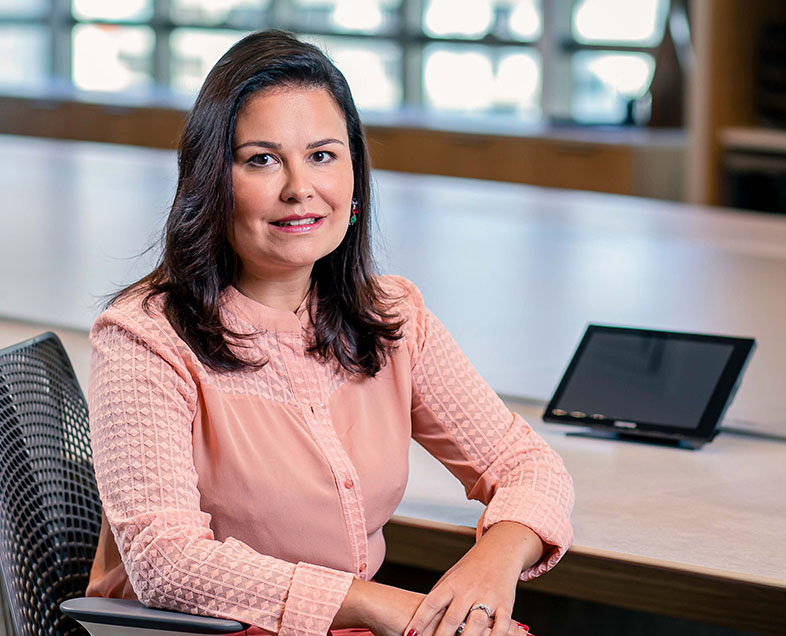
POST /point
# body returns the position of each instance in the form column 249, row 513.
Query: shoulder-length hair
column 354, row 322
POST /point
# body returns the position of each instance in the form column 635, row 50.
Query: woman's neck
column 286, row 294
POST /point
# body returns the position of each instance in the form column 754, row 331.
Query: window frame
column 555, row 47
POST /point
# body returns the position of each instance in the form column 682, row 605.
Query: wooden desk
column 515, row 273
column 696, row 535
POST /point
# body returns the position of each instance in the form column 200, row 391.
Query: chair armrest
column 127, row 613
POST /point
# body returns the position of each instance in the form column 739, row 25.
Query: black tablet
column 651, row 385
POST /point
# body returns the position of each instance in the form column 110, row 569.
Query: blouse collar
column 267, row 318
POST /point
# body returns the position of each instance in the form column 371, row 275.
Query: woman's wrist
column 354, row 611
column 516, row 539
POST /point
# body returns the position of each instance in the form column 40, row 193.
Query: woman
column 253, row 398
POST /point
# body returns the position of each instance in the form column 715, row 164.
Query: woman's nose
column 298, row 186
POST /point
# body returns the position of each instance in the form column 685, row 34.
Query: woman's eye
column 263, row 159
column 321, row 156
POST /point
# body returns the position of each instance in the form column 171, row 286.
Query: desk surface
column 658, row 505
column 515, row 272
column 546, row 262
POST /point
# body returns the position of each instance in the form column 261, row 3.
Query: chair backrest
column 50, row 513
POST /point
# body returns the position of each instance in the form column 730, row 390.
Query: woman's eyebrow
column 263, row 144
column 323, row 142
column 277, row 146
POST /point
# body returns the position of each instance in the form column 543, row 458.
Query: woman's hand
column 486, row 574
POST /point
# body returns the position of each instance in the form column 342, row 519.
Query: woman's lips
column 303, row 224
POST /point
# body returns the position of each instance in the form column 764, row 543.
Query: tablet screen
column 645, row 378
column 656, row 381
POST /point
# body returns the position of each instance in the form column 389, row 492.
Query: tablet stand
column 688, row 444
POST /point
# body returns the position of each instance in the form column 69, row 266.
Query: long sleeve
column 142, row 401
column 497, row 456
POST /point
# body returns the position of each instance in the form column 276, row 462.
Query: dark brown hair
column 354, row 324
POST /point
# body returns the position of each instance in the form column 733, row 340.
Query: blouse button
column 362, row 567
column 348, row 483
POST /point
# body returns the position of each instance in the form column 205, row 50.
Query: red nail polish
column 412, row 632
column 522, row 625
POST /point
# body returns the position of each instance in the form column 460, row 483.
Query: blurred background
column 672, row 99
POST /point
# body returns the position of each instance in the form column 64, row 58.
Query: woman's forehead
column 286, row 113
column 290, row 94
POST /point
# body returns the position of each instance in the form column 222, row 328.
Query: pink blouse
column 259, row 495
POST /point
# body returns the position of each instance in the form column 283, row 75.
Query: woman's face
column 293, row 183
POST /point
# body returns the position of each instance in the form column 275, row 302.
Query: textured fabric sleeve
column 497, row 456
column 142, row 404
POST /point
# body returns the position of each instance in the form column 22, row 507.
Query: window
column 372, row 67
column 605, row 82
column 110, row 57
column 10, row 9
column 230, row 13
column 24, row 55
column 583, row 61
column 193, row 52
column 135, row 10
column 368, row 17
column 477, row 78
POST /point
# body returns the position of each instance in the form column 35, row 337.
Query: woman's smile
column 298, row 224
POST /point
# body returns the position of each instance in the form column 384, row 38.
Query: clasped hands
column 483, row 624
column 485, row 576
column 475, row 597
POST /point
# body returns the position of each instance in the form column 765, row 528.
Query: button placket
column 320, row 425
column 351, row 499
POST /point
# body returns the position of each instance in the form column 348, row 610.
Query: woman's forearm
column 382, row 609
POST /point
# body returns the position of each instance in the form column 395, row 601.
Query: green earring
column 353, row 219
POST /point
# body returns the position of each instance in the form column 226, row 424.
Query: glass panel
column 24, row 55
column 619, row 21
column 193, row 52
column 372, row 69
column 604, row 84
column 236, row 13
column 115, row 10
column 458, row 18
column 517, row 83
column 474, row 19
column 24, row 8
column 483, row 79
column 524, row 20
column 111, row 58
column 347, row 16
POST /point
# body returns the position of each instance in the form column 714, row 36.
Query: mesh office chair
column 50, row 513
